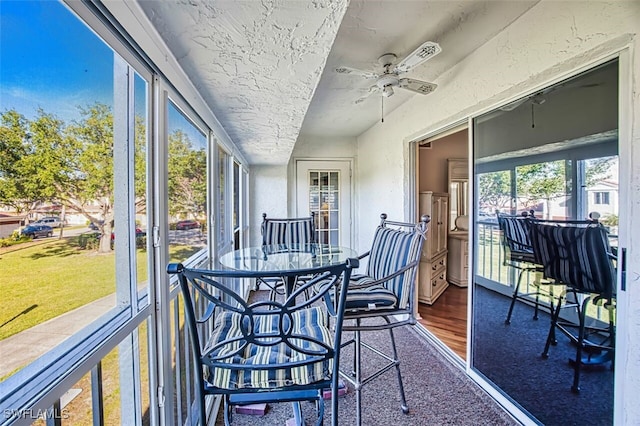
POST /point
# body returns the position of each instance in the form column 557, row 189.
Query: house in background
column 9, row 224
column 603, row 198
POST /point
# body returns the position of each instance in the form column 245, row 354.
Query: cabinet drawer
column 439, row 264
column 432, row 279
column 438, row 282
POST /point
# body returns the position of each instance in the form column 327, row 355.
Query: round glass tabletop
column 286, row 257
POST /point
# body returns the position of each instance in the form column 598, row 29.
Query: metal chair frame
column 518, row 253
column 579, row 256
column 356, row 320
column 264, row 325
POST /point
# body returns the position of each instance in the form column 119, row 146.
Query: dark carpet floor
column 510, row 357
column 438, row 393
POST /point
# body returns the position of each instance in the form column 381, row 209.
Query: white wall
column 322, row 148
column 312, row 146
column 273, row 187
column 549, row 42
column 268, row 186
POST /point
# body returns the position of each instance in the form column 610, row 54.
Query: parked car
column 51, row 221
column 487, row 217
column 95, row 226
column 34, row 231
column 187, row 224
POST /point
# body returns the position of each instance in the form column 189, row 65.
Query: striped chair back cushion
column 392, row 250
column 576, row 256
column 516, row 233
column 288, row 231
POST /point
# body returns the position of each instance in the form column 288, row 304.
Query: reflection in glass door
column 564, row 172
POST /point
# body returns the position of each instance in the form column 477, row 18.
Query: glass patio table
column 282, row 257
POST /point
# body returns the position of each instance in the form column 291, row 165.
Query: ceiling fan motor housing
column 387, row 80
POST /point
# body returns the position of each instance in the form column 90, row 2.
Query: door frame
column 411, row 212
column 326, row 165
column 626, row 230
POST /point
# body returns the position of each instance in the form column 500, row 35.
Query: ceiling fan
column 390, row 76
column 540, row 97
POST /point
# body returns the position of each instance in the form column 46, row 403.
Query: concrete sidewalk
column 22, row 348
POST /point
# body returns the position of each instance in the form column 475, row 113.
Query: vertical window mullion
column 582, row 196
column 124, row 217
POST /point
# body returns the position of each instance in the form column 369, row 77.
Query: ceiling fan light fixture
column 387, row 91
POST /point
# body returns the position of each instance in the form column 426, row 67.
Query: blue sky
column 49, row 59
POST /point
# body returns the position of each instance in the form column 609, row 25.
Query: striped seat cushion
column 228, row 353
column 361, row 296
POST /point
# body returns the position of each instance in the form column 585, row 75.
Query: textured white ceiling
column 260, row 65
column 372, row 28
column 256, row 63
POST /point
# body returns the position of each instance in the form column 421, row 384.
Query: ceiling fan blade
column 372, row 90
column 418, row 86
column 361, row 73
column 426, row 51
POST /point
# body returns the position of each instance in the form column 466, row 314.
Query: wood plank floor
column 447, row 319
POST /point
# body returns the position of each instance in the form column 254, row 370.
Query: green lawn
column 40, row 282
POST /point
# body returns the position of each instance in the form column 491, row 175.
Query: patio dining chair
column 384, row 297
column 264, row 351
column 288, row 231
column 580, row 257
column 283, row 235
column 518, row 254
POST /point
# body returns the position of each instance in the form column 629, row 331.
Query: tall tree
column 44, row 161
column 187, row 171
column 88, row 179
column 494, row 190
column 36, row 153
column 541, row 182
column 15, row 191
column 49, row 162
column 140, row 161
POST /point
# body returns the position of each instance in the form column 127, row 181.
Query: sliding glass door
column 555, row 154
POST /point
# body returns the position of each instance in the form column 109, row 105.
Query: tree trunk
column 63, row 213
column 105, row 239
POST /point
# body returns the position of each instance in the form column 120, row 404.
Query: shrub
column 609, row 220
column 13, row 239
column 141, row 242
column 89, row 241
